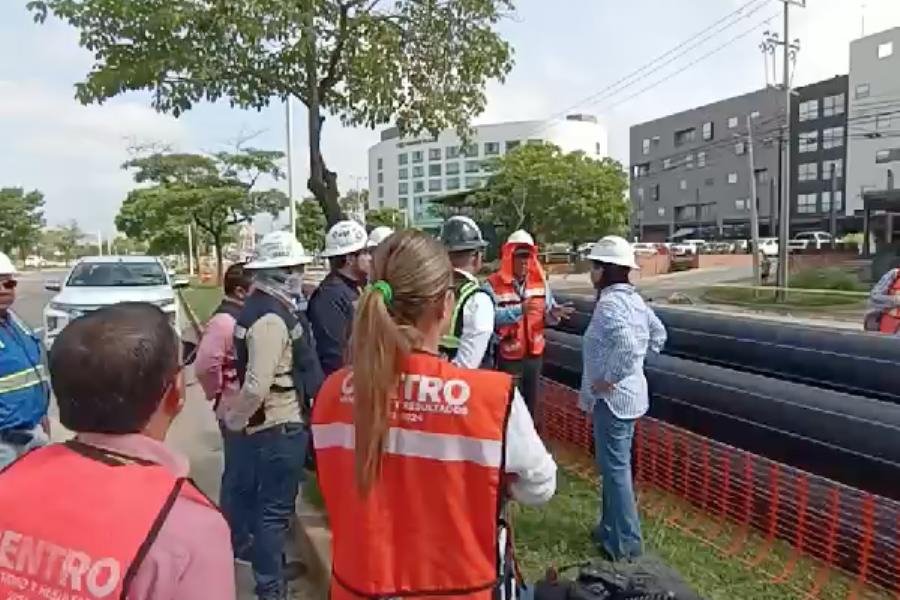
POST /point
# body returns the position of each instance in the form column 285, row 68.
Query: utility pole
column 832, row 209
column 190, row 237
column 754, row 209
column 289, row 125
column 100, row 242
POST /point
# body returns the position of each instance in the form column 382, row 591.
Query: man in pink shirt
column 115, row 501
column 215, row 370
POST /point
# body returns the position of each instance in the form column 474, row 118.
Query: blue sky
column 566, row 51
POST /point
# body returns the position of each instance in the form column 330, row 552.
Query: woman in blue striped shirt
column 622, row 330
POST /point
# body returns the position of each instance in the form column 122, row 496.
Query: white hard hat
column 278, row 249
column 379, row 234
column 614, row 250
column 345, row 237
column 520, row 237
column 6, row 265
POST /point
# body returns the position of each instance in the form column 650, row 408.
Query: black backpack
column 648, row 578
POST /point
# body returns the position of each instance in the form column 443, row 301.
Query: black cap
column 461, row 233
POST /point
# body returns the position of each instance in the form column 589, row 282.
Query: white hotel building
column 409, row 173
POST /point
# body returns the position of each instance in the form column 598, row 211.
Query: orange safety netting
column 748, row 506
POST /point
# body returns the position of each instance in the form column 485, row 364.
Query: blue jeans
column 14, row 444
column 619, row 529
column 279, row 454
column 237, row 497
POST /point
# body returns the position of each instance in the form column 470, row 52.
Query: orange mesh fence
column 746, row 496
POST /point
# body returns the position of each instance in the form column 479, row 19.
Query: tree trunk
column 322, row 182
column 220, row 268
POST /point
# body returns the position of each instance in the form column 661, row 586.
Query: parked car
column 646, row 249
column 810, row 240
column 98, row 281
column 34, row 262
column 768, row 246
column 688, row 247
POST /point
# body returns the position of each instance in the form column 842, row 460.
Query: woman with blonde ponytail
column 416, row 457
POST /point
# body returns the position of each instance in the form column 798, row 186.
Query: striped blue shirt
column 622, row 330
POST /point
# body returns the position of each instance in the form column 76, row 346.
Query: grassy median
column 203, row 299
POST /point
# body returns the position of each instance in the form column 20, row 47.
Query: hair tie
column 383, row 288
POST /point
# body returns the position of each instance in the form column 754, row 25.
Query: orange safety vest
column 525, row 337
column 77, row 521
column 429, row 525
column 890, row 319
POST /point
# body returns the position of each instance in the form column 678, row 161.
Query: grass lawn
column 203, row 299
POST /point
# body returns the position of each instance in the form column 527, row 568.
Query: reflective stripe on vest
column 525, row 337
column 25, row 378
column 454, row 331
column 98, row 515
column 439, row 484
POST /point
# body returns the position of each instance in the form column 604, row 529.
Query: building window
column 685, row 136
column 654, row 192
column 418, row 187
column 473, row 182
column 403, row 159
column 434, row 154
column 809, row 110
column 535, row 142
column 512, row 145
column 471, row 150
column 403, row 173
column 883, row 122
column 404, row 203
column 833, row 137
column 709, row 182
column 682, row 185
column 491, row 148
column 701, row 159
column 732, row 178
column 886, row 156
column 762, row 176
column 754, row 114
column 380, row 163
column 689, row 161
column 826, row 201
column 885, row 50
column 597, row 149
column 740, row 148
column 862, row 91
column 434, row 170
column 381, row 191
column 661, row 211
column 473, row 166
column 640, row 195
column 452, row 183
column 418, row 171
column 708, row 131
column 418, row 156
column 667, row 164
column 434, row 185
column 642, row 170
column 452, row 152
column 806, row 203
column 808, row 172
column 380, row 177
column 403, row 188
column 741, row 204
column 838, row 166
column 833, row 105
column 453, row 168
column 732, row 122
column 809, row 141
column 381, row 204
column 645, row 146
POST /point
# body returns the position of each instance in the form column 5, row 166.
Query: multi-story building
column 818, row 150
column 874, row 118
column 408, row 173
column 690, row 172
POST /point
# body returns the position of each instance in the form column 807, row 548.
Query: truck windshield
column 117, row 274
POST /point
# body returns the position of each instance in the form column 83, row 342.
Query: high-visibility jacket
column 24, row 391
column 464, row 288
column 429, row 524
column 890, row 319
column 525, row 337
column 77, row 521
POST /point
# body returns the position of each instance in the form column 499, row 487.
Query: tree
column 389, row 217
column 214, row 193
column 310, row 225
column 558, row 197
column 420, row 63
column 21, row 220
column 69, row 239
column 355, row 202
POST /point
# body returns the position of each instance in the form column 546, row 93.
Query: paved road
column 661, row 286
column 194, row 434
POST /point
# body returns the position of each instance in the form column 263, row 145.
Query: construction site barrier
column 753, row 503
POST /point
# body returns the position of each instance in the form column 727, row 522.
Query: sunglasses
column 9, row 284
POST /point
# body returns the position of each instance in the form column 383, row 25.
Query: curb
column 191, row 315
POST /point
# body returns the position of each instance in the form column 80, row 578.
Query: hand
column 602, row 387
column 563, row 311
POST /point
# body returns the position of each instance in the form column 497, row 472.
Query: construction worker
column 884, row 303
column 216, row 371
column 24, row 391
column 378, row 235
column 279, row 374
column 614, row 389
column 467, row 340
column 332, row 304
column 112, row 513
column 416, row 455
column 524, row 304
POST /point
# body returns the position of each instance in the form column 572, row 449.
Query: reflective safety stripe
column 23, row 379
column 535, row 292
column 451, row 340
column 417, row 444
column 509, row 297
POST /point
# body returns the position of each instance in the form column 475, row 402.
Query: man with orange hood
column 524, row 305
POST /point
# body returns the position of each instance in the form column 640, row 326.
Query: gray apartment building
column 690, row 172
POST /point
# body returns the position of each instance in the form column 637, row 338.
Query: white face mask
column 294, row 284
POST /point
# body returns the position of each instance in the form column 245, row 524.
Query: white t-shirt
column 477, row 328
